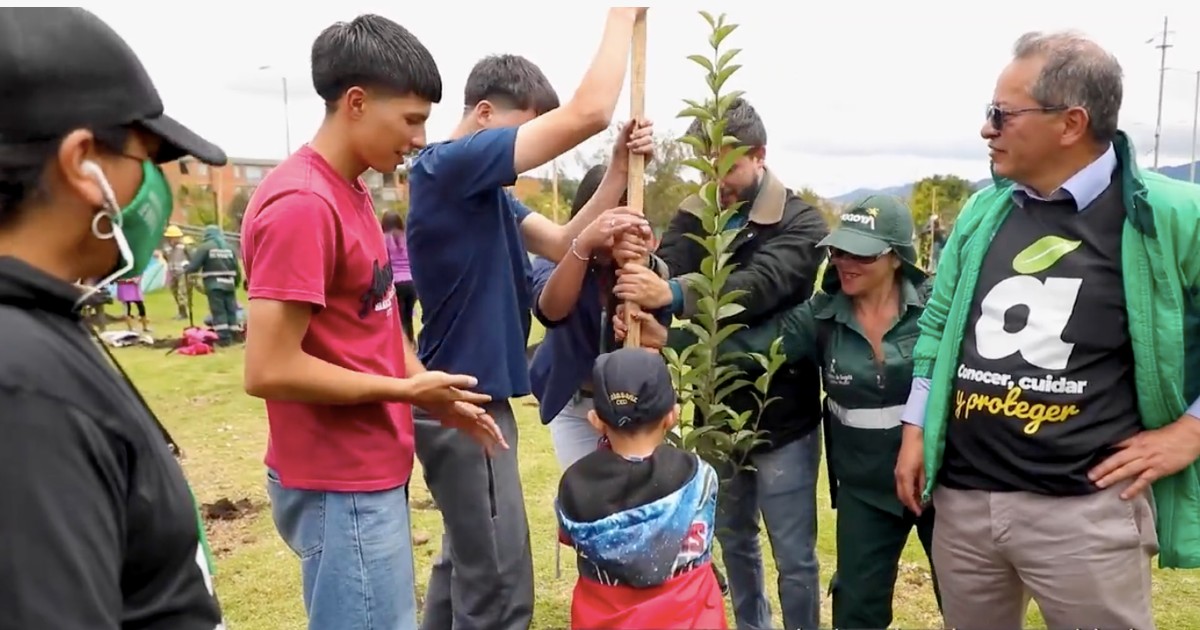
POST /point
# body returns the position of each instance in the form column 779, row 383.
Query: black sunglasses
column 835, row 254
column 996, row 116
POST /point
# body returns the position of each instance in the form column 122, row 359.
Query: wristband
column 575, row 253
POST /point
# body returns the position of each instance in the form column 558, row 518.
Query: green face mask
column 138, row 227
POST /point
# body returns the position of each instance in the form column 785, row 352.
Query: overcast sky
column 854, row 94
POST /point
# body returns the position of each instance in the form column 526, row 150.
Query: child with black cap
column 639, row 513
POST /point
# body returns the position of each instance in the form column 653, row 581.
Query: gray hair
column 1078, row 73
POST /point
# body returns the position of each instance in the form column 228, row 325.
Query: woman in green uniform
column 861, row 328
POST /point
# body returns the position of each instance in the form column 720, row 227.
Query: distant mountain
column 1181, row 171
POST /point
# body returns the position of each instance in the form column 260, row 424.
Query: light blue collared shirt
column 1083, row 187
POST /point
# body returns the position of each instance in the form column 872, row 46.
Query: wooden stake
column 637, row 163
column 554, row 190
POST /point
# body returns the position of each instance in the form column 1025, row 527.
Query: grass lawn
column 223, row 434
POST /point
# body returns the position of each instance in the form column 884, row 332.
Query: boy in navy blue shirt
column 467, row 239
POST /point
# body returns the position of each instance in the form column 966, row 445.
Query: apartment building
column 189, row 178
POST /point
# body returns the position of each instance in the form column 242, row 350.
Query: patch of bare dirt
column 227, row 524
column 225, row 509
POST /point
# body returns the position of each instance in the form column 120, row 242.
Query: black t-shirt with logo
column 1044, row 388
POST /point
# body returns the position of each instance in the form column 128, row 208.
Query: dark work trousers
column 483, row 579
column 406, row 295
column 222, row 305
column 869, row 543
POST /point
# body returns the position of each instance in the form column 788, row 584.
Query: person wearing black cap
column 100, row 527
column 861, row 330
column 571, row 298
column 640, row 513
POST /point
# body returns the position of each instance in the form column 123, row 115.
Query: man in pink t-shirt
column 324, row 344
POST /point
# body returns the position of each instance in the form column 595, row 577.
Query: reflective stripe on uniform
column 877, row 418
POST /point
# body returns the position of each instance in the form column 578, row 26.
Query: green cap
column 873, row 226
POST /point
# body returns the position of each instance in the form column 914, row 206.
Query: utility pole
column 933, row 223
column 287, row 119
column 1162, row 75
column 1195, row 123
column 554, row 189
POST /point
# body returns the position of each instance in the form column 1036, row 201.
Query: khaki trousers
column 1085, row 560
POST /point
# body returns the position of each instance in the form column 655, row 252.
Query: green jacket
column 865, row 396
column 216, row 262
column 1160, row 254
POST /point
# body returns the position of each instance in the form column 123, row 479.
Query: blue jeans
column 355, row 552
column 571, row 434
column 783, row 487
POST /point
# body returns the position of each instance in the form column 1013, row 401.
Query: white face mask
column 111, row 211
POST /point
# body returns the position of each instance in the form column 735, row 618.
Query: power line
column 1162, row 76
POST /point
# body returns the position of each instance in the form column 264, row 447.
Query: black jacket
column 777, row 261
column 100, row 528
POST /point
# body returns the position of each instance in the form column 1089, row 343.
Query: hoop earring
column 111, row 216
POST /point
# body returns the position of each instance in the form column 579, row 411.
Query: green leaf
column 721, row 440
column 720, row 33
column 726, row 101
column 727, row 57
column 725, row 391
column 729, row 310
column 710, row 192
column 723, row 75
column 695, row 112
column 725, row 164
column 1043, row 254
column 703, row 62
column 709, row 18
column 704, row 166
column 763, row 382
column 699, row 147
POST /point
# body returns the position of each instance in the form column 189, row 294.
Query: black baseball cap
column 632, row 387
column 62, row 68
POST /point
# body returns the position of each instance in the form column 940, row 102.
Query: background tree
column 198, row 205
column 830, row 210
column 945, row 194
column 951, row 192
column 237, row 209
column 704, row 376
column 667, row 183
column 542, row 202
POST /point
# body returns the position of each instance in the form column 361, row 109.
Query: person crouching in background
column 639, row 513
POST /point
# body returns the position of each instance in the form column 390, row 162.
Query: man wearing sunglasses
column 1051, row 380
column 776, row 262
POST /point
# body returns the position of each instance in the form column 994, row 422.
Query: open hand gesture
column 431, row 388
column 471, row 420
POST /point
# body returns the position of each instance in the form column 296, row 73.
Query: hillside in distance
column 1181, row 171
